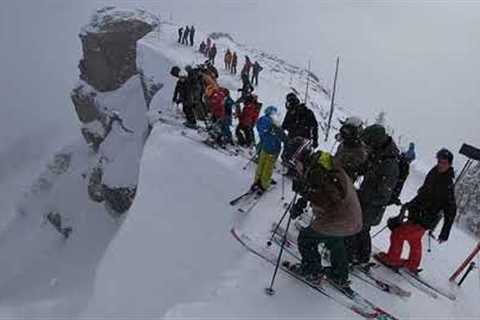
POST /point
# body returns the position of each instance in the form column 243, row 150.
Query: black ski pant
column 308, row 242
column 255, row 79
column 359, row 246
column 245, row 135
column 188, row 110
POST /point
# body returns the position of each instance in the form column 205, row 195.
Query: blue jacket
column 270, row 142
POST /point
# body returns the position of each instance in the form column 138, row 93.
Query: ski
column 351, row 301
column 249, row 205
column 209, row 144
column 241, row 197
column 356, row 272
column 407, row 274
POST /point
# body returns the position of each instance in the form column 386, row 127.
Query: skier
column 271, row 136
column 216, row 103
column 380, row 175
column 186, row 33
column 246, row 120
column 435, row 195
column 192, row 35
column 300, row 121
column 209, row 45
column 246, row 67
column 336, row 209
column 255, row 71
column 234, row 63
column 180, row 33
column 228, row 60
column 203, row 48
column 406, row 158
column 212, row 53
column 246, row 89
column 351, row 153
column 228, row 103
column 188, row 92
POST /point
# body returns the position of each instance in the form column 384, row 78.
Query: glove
column 297, row 209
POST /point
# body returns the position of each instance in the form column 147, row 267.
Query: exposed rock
column 60, row 164
column 95, row 187
column 119, row 199
column 150, row 88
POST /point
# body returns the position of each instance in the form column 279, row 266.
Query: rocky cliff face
column 111, row 100
column 468, row 200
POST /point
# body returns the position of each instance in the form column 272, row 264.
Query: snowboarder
column 300, row 121
column 255, row 72
column 246, row 120
column 186, row 33
column 336, row 209
column 212, row 53
column 180, row 34
column 351, row 153
column 380, row 175
column 228, row 60
column 437, row 194
column 192, row 35
column 246, row 67
column 271, row 136
column 234, row 63
column 406, row 158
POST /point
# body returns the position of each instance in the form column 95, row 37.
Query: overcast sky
column 419, row 62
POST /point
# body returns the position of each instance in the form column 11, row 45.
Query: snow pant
column 179, row 37
column 308, row 242
column 226, row 129
column 412, row 233
column 188, row 110
column 359, row 246
column 234, row 68
column 191, row 40
column 255, row 79
column 263, row 174
column 245, row 135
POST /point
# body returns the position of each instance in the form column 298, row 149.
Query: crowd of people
column 343, row 215
column 186, row 35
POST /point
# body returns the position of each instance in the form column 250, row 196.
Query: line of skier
column 343, row 215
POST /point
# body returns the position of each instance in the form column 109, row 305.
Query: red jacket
column 216, row 104
column 249, row 114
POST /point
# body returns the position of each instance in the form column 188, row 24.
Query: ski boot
column 383, row 259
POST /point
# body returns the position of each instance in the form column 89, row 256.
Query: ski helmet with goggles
column 292, row 100
column 445, row 154
column 296, row 150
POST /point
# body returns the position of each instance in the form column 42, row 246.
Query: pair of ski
column 211, row 144
column 418, row 281
column 358, row 272
column 247, row 201
column 345, row 297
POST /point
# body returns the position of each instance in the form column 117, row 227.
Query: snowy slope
column 175, row 256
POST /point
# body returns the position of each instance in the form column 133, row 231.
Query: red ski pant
column 412, row 233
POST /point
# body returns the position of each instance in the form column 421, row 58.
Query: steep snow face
column 174, row 255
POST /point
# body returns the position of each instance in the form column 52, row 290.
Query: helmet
column 292, row 100
column 175, row 71
column 348, row 132
column 353, row 121
column 296, row 150
column 271, row 110
column 445, row 154
column 374, row 135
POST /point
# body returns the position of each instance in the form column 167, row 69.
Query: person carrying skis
column 185, row 94
column 228, row 60
column 212, row 53
column 351, row 153
column 300, row 121
column 192, row 35
column 271, row 136
column 256, row 68
column 234, row 63
column 406, row 158
column 180, row 33
column 186, row 33
column 437, row 194
column 323, row 183
column 247, row 118
column 380, row 176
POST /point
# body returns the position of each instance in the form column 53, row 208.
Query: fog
column 416, row 61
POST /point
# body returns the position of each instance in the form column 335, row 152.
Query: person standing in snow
column 186, row 33
column 228, row 103
column 300, row 121
column 180, row 34
column 203, row 48
column 228, row 60
column 234, row 63
column 246, row 89
column 436, row 195
column 323, row 183
column 271, row 136
column 209, row 45
column 246, row 68
column 380, row 175
column 351, row 153
column 406, row 158
column 185, row 94
column 192, row 35
column 212, row 53
column 255, row 71
column 247, row 118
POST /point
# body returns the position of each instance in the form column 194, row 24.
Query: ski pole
column 270, row 291
column 269, row 242
column 283, row 183
column 429, row 241
column 470, row 268
column 250, row 160
column 380, row 231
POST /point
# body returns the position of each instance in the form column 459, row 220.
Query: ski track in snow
column 173, row 256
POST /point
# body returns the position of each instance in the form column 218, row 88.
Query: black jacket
column 380, row 175
column 435, row 195
column 301, row 122
column 189, row 90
